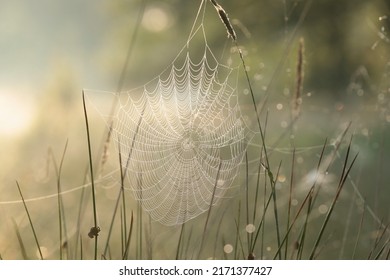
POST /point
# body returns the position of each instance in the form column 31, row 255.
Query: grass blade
column 20, row 240
column 179, row 244
column 343, row 178
column 60, row 205
column 237, row 230
column 209, row 211
column 359, row 231
column 276, row 210
column 94, row 233
column 128, row 240
column 289, row 200
column 30, row 221
column 248, row 235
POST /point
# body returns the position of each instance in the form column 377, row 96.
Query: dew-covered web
column 182, row 136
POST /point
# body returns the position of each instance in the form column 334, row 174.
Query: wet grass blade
column 30, row 221
column 217, row 235
column 20, row 240
column 343, row 178
column 248, row 235
column 261, row 223
column 297, row 215
column 301, row 243
column 139, row 233
column 310, row 204
column 237, row 221
column 308, row 199
column 79, row 218
column 209, row 211
column 111, row 227
column 379, row 236
column 60, row 204
column 359, row 232
column 128, row 240
column 276, row 215
column 179, row 243
column 81, row 249
column 257, row 189
column 95, row 229
column 187, row 247
column 240, row 242
column 289, row 201
column 382, row 249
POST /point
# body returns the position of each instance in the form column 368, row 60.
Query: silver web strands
column 186, row 122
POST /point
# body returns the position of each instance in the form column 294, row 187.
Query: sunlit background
column 50, row 50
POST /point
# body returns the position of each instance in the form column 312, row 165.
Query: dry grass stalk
column 225, row 19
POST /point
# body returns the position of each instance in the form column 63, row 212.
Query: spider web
column 182, row 136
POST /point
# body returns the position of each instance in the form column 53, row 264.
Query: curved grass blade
column 30, row 221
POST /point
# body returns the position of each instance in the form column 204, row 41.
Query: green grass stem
column 290, row 200
column 343, row 177
column 60, row 204
column 30, row 221
column 92, row 178
column 209, row 211
column 20, row 240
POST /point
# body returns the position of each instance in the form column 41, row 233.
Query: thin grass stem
column 179, row 243
column 248, row 235
column 128, row 241
column 382, row 249
column 289, row 200
column 20, row 240
column 96, row 229
column 359, row 232
column 111, row 227
column 237, row 230
column 61, row 212
column 239, row 241
column 209, row 211
column 343, row 177
column 276, row 215
column 30, row 221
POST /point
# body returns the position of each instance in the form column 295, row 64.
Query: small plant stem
column 31, row 223
column 343, row 177
column 240, row 241
column 209, row 211
column 289, row 200
column 128, row 240
column 179, row 244
column 112, row 223
column 276, row 212
column 20, row 240
column 359, row 231
column 237, row 230
column 247, row 200
column 61, row 217
column 92, row 177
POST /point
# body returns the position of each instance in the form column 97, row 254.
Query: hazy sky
column 38, row 36
column 34, row 33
